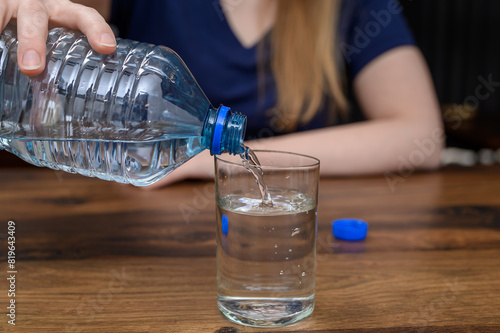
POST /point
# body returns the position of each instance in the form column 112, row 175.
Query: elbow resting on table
column 433, row 162
column 430, row 146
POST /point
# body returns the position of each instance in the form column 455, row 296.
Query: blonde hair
column 305, row 61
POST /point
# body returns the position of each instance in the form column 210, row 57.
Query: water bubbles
column 281, row 272
column 295, row 231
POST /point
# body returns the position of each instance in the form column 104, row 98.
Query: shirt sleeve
column 368, row 28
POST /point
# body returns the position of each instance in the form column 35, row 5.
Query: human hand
column 33, row 19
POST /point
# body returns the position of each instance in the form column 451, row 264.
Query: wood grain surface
column 94, row 256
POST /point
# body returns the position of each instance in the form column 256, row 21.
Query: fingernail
column 108, row 40
column 31, row 60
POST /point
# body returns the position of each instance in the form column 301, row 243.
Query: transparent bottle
column 132, row 116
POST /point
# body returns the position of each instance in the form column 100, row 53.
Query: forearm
column 404, row 132
column 370, row 147
column 35, row 17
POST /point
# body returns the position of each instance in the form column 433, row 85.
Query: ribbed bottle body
column 131, row 116
column 137, row 163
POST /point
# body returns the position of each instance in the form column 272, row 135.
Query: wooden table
column 93, row 256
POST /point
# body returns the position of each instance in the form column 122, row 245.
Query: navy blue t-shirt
column 227, row 71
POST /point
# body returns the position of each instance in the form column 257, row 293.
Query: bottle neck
column 224, row 131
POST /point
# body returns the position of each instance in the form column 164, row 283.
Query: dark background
column 460, row 40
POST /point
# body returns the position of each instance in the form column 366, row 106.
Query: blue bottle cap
column 225, row 224
column 349, row 229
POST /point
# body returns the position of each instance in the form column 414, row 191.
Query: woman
column 284, row 64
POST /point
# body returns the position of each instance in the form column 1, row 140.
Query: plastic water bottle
column 131, row 116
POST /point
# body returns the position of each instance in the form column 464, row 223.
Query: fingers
column 88, row 21
column 6, row 13
column 33, row 17
column 32, row 29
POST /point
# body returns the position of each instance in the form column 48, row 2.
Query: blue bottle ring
column 219, row 126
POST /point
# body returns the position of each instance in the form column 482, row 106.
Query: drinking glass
column 266, row 253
